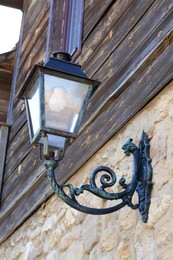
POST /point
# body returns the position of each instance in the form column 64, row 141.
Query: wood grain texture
column 104, row 27
column 94, row 12
column 16, row 143
column 137, row 29
column 17, row 124
column 132, row 55
column 19, row 183
column 33, row 12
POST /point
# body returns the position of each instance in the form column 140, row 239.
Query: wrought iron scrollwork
column 141, row 182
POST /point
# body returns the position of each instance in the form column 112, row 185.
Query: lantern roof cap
column 61, row 61
column 58, row 65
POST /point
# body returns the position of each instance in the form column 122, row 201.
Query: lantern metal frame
column 37, row 74
column 142, row 169
column 141, row 182
column 58, row 65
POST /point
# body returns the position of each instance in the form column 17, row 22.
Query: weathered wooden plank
column 24, row 191
column 31, row 14
column 130, row 60
column 140, row 34
column 36, row 54
column 23, row 210
column 94, row 11
column 145, row 87
column 103, row 28
column 34, row 30
column 34, row 42
column 120, row 31
column 17, row 109
column 3, row 145
column 22, row 135
column 128, row 68
column 17, row 157
column 19, row 181
column 17, row 125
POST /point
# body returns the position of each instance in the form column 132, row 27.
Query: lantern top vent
column 59, row 62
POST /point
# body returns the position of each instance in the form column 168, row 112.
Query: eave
column 18, row 4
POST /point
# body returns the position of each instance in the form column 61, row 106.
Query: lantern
column 56, row 97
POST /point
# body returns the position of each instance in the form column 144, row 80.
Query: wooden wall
column 127, row 45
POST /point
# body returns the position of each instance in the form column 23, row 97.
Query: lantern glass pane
column 54, row 141
column 64, row 101
column 34, row 107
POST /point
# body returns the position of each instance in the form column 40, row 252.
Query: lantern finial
column 60, row 55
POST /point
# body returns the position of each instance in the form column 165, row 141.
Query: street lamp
column 56, row 97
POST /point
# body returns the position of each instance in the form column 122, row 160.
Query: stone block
column 123, row 251
column 159, row 208
column 66, row 241
column 49, row 224
column 127, row 218
column 144, row 242
column 53, row 255
column 164, row 233
column 90, row 232
column 74, row 252
column 70, row 217
column 29, row 252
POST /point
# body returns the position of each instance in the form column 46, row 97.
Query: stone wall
column 56, row 231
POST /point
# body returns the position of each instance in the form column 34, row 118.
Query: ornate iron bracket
column 141, row 182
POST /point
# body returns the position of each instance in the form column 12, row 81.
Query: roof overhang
column 18, row 4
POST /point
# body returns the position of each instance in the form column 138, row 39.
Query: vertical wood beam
column 4, row 129
column 65, row 26
column 55, row 27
